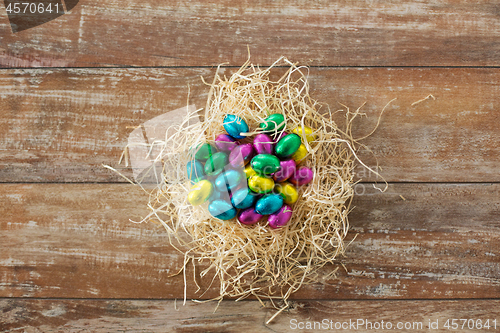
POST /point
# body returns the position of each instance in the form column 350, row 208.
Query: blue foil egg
column 269, row 204
column 235, row 126
column 222, row 210
column 243, row 198
column 229, row 180
column 195, row 170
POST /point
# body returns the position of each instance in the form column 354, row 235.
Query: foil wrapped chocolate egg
column 200, row 192
column 302, row 176
column 225, row 143
column 268, row 204
column 194, row 170
column 260, row 184
column 215, row 164
column 243, row 198
column 273, row 123
column 249, row 216
column 249, row 172
column 300, row 154
column 228, row 180
column 287, row 146
column 288, row 192
column 204, row 151
column 280, row 218
column 263, row 144
column 287, row 169
column 219, row 195
column 241, row 155
column 306, row 132
column 222, row 210
column 235, row 126
column 265, row 164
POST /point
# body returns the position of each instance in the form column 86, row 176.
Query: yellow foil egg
column 260, row 184
column 249, row 172
column 307, row 131
column 288, row 192
column 300, row 154
column 200, row 192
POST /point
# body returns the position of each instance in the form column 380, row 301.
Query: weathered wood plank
column 204, row 33
column 75, row 241
column 250, row 316
column 61, row 125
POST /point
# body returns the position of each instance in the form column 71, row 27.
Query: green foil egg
column 287, row 145
column 215, row 164
column 265, row 164
column 200, row 192
column 273, row 123
column 204, row 151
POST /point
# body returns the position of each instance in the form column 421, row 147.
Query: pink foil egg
column 280, row 218
column 249, row 216
column 241, row 155
column 263, row 144
column 287, row 169
column 302, row 176
column 225, row 142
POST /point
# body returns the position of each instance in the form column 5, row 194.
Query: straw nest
column 257, row 260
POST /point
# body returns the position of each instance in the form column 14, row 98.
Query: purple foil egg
column 287, row 169
column 225, row 142
column 249, row 216
column 280, row 218
column 302, row 176
column 241, row 155
column 263, row 144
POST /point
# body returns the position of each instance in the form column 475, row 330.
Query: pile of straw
column 257, row 260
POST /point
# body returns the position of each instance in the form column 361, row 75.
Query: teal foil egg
column 287, row 145
column 222, row 210
column 269, row 204
column 235, row 126
column 215, row 164
column 243, row 198
column 229, row 180
column 195, row 170
column 219, row 195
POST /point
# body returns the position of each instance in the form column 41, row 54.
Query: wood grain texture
column 62, row 125
column 250, row 316
column 75, row 241
column 99, row 33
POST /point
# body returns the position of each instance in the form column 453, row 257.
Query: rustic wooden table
column 71, row 90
